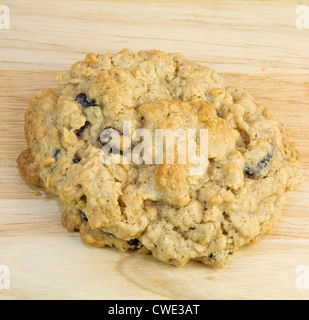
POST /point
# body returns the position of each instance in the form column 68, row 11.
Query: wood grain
column 254, row 44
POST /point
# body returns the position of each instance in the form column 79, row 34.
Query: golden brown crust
column 71, row 220
column 29, row 168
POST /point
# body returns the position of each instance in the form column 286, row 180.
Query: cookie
column 120, row 192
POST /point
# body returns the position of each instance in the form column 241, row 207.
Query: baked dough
column 160, row 209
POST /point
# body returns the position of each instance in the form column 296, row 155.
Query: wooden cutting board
column 254, row 44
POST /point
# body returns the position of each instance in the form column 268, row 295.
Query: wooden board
column 254, row 44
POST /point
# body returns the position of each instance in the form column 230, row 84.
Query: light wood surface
column 254, row 44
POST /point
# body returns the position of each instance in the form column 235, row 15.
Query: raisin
column 134, row 243
column 112, row 235
column 252, row 171
column 79, row 132
column 83, row 216
column 115, row 139
column 77, row 159
column 57, row 153
column 264, row 162
column 84, row 101
column 106, row 134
